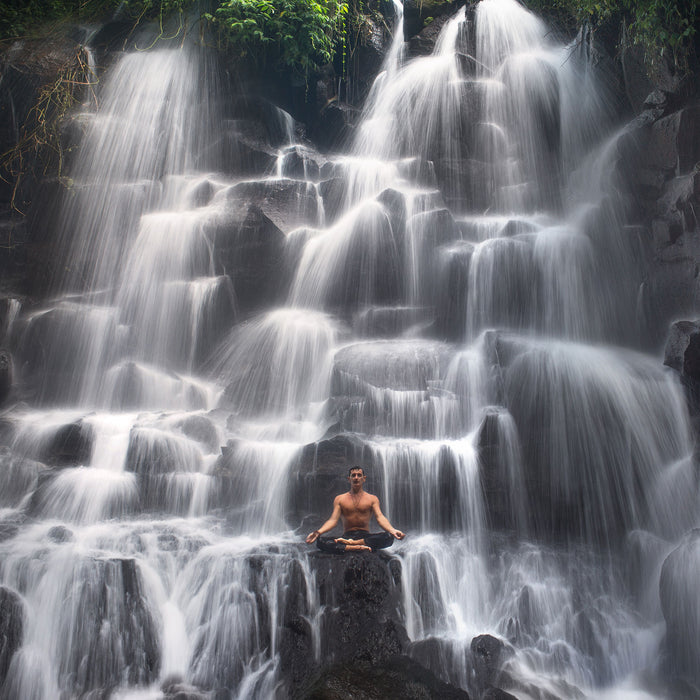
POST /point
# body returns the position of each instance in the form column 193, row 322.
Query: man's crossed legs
column 355, row 541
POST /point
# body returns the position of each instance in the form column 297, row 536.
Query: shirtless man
column 355, row 508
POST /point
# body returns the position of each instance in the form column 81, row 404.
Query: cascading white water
column 455, row 311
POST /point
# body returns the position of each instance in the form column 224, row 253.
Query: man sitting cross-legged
column 355, row 508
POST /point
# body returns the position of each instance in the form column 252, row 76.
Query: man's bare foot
column 357, row 548
column 342, row 540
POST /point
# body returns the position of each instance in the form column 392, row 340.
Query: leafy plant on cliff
column 31, row 17
column 298, row 34
column 661, row 27
column 39, row 141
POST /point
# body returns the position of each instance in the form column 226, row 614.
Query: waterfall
column 453, row 296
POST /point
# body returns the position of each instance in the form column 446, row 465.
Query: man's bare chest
column 351, row 506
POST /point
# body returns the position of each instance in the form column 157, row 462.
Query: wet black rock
column 488, row 654
column 683, row 348
column 200, row 429
column 174, row 688
column 319, row 473
column 60, row 534
column 259, row 119
column 333, row 191
column 422, row 43
column 682, row 353
column 497, row 694
column 681, row 610
column 300, row 163
column 360, row 593
column 235, row 153
column 398, row 677
column 296, row 634
column 388, row 321
column 5, row 375
column 106, row 608
column 335, row 127
column 365, row 61
column 249, row 247
column 19, row 476
column 496, row 483
column 417, row 15
column 287, row 203
column 673, row 143
column 360, row 625
column 454, row 263
column 71, row 445
column 11, row 628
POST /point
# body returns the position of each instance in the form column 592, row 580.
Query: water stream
column 464, row 310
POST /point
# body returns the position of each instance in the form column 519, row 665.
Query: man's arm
column 384, row 523
column 328, row 525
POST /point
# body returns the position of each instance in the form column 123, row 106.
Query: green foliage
column 659, row 26
column 299, row 34
column 30, row 17
column 20, row 17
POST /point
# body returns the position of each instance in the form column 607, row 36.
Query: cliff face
column 363, row 645
column 43, row 83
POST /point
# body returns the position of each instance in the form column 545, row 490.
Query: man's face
column 357, row 477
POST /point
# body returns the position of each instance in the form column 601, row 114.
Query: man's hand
column 397, row 534
column 312, row 537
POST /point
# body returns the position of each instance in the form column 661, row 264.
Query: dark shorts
column 375, row 540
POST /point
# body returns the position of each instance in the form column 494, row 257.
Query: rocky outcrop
column 488, row 654
column 659, row 158
column 71, row 445
column 360, row 624
column 363, row 645
column 38, row 79
column 682, row 354
column 421, row 14
column 11, row 628
column 249, row 248
column 399, row 677
column 681, row 609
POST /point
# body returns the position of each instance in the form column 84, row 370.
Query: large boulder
column 249, row 248
column 488, row 654
column 335, row 126
column 68, row 446
column 359, row 594
column 360, row 624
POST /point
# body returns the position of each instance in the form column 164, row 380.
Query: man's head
column 356, row 475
